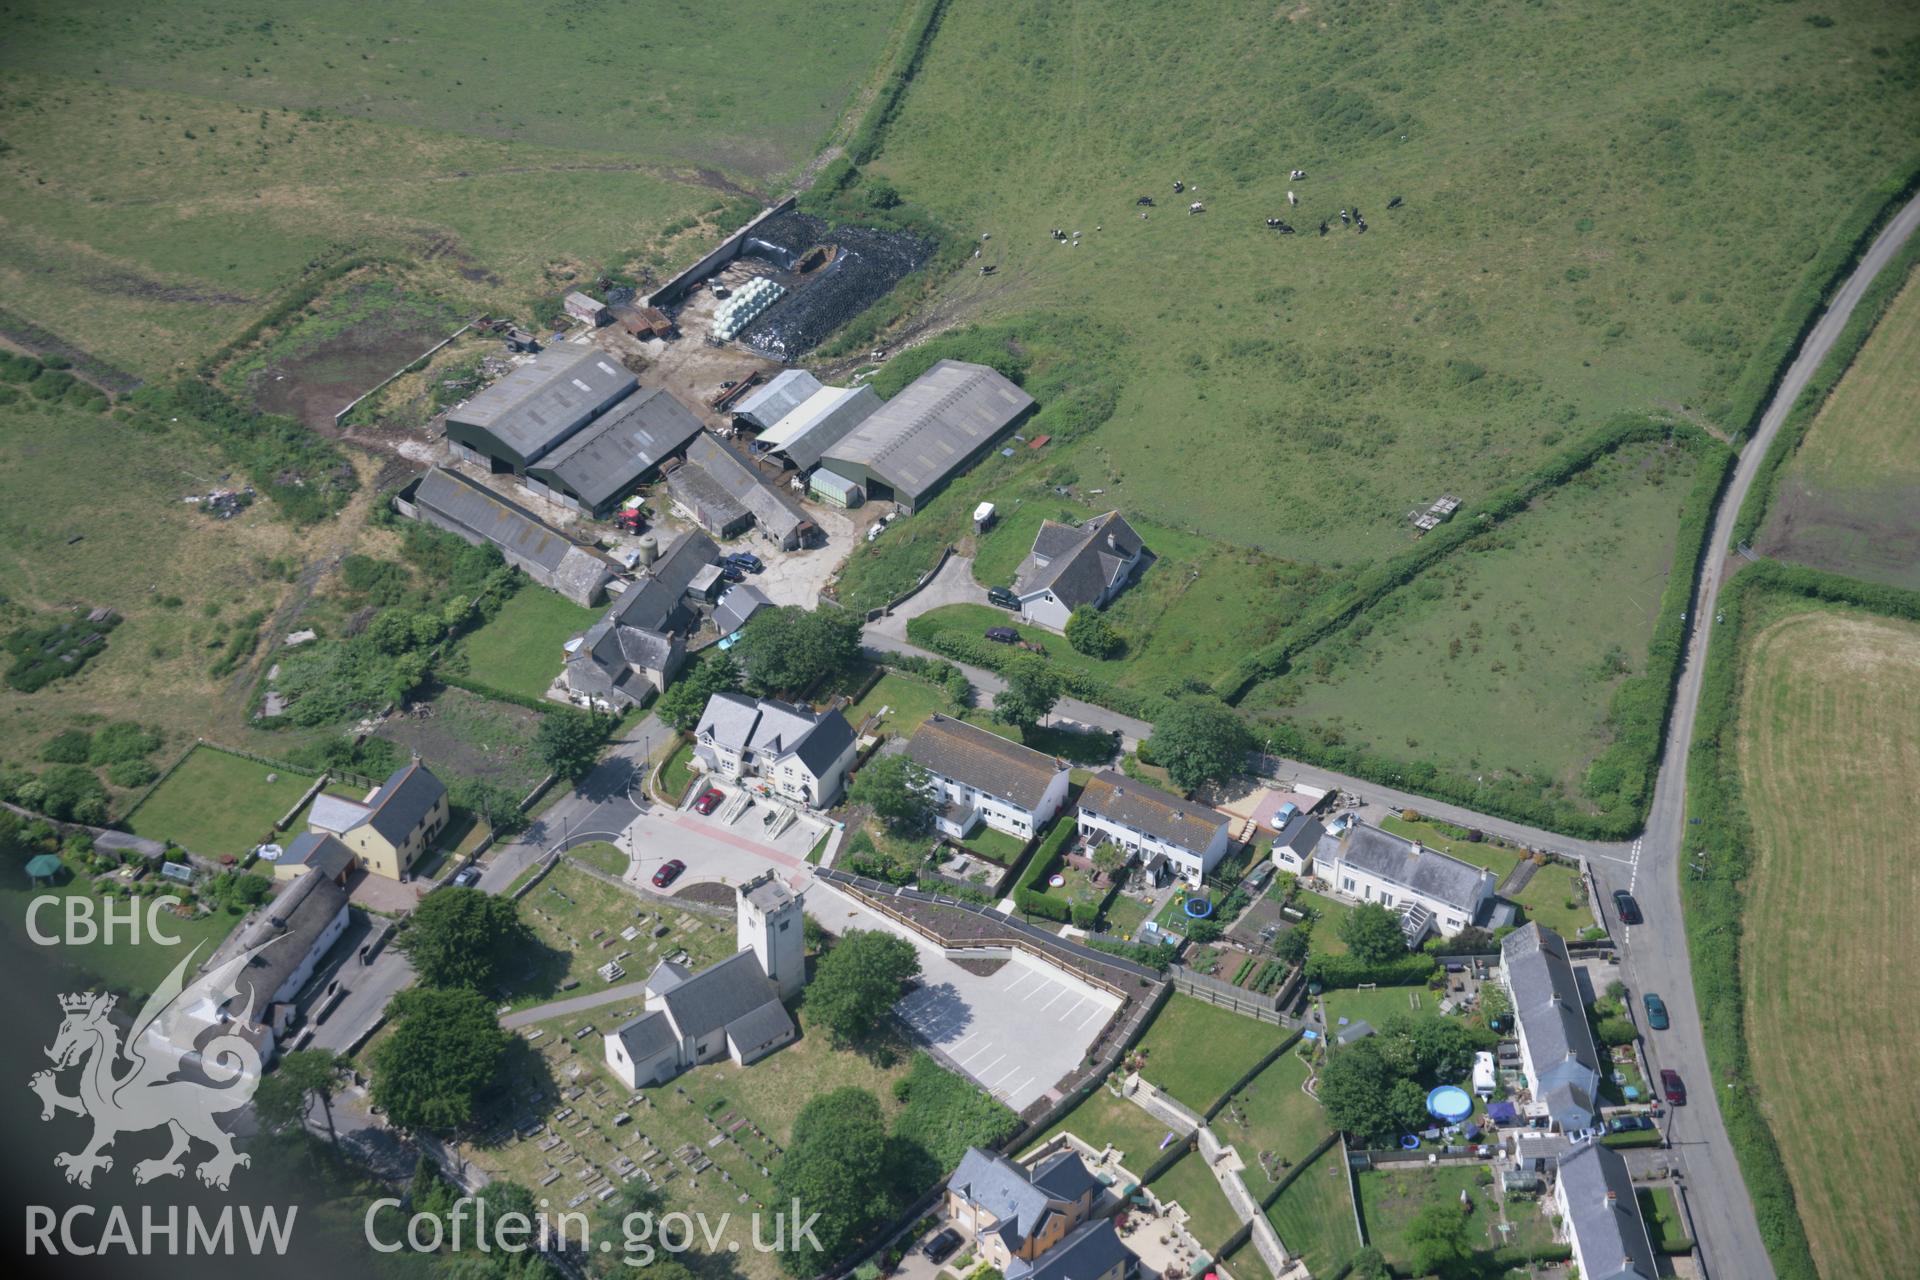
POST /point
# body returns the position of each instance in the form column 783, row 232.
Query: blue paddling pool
column 1450, row 1103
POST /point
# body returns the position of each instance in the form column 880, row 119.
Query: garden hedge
column 1335, row 972
column 1044, row 860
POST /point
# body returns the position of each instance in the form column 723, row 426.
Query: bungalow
column 1594, row 1194
column 389, row 830
column 1557, row 1050
column 1149, row 823
column 1070, row 567
column 979, row 776
column 731, row 1009
column 802, row 755
column 1017, row 1214
column 1430, row 890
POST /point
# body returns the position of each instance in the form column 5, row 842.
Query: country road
column 1655, row 954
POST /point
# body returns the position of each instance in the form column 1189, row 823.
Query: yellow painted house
column 389, row 830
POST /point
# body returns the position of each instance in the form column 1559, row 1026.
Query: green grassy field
column 1378, row 1005
column 1475, row 665
column 909, row 701
column 1102, row 1120
column 518, row 650
column 168, row 174
column 1314, row 1215
column 1834, row 694
column 1195, row 1050
column 1850, row 499
column 1548, row 268
column 217, row 804
column 1272, row 1115
column 1209, row 1215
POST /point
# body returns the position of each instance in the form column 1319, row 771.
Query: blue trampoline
column 1198, row 908
column 1450, row 1103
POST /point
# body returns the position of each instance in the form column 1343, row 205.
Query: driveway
column 1015, row 1031
column 715, row 851
column 954, row 584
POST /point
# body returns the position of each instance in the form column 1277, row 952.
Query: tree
column 1370, row 1264
column 855, row 984
column 488, row 802
column 1089, row 632
column 1430, row 1050
column 1361, row 1094
column 788, row 650
column 1032, row 689
column 1109, row 859
column 568, row 742
column 458, row 936
column 1293, row 945
column 686, row 698
column 837, row 1165
column 1373, row 933
column 446, row 1047
column 1439, row 1244
column 899, row 791
column 303, row 1077
column 1200, row 740
column 1494, row 1001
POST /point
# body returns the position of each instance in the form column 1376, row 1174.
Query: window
column 784, row 924
column 1347, row 883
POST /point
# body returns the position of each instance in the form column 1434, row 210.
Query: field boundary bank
column 1714, row 899
column 41, row 342
column 870, row 136
column 1749, row 398
column 1872, row 309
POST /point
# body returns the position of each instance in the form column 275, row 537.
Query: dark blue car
column 1656, row 1011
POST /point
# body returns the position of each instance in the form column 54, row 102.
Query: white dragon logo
column 153, row 1093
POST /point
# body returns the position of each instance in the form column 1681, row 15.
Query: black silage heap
column 867, row 263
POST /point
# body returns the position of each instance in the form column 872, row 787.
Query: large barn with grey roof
column 602, row 462
column 938, row 425
column 465, row 507
column 539, row 405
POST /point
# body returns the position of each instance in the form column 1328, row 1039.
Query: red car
column 1671, row 1086
column 709, row 800
column 669, row 872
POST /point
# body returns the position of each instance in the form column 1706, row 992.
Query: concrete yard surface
column 1015, row 1031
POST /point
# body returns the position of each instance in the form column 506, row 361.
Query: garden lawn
column 1195, row 1051
column 1326, row 925
column 678, row 773
column 995, row 846
column 1391, row 1199
column 1273, row 1114
column 1125, row 914
column 1376, row 1006
column 217, row 804
column 1662, row 1215
column 1314, row 1215
column 909, row 700
column 1102, row 1120
column 519, row 650
column 1547, row 896
column 136, row 967
column 1209, row 1215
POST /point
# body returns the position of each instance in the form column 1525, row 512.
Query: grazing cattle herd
column 1349, row 217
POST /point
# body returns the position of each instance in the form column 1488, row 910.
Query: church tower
column 769, row 926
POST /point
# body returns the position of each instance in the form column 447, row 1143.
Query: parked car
column 1002, row 597
column 1629, row 1124
column 1003, row 635
column 732, row 572
column 1629, row 909
column 746, row 560
column 467, row 877
column 709, row 800
column 1656, row 1011
column 669, row 872
column 941, row 1247
column 1672, row 1087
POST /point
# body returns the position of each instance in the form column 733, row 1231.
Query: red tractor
column 632, row 517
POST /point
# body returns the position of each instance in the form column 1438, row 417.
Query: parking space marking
column 1097, row 1011
column 1057, row 997
column 981, row 1074
column 1016, row 984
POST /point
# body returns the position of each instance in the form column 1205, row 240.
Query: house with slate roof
column 1070, row 567
column 979, row 776
column 1557, row 1049
column 730, row 1010
column 389, row 830
column 470, row 510
column 801, row 754
column 1016, row 1213
column 312, row 849
column 1594, row 1193
column 1091, row 1251
column 287, row 939
column 641, row 641
column 1427, row 889
column 1149, row 823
